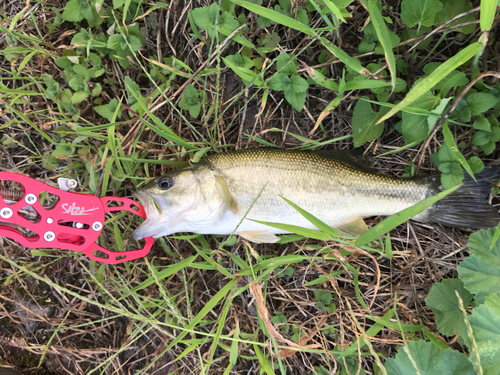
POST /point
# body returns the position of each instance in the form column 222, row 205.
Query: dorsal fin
column 355, row 158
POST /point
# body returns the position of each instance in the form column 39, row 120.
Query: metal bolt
column 6, row 213
column 49, row 236
column 97, row 226
column 50, row 220
column 30, row 199
column 79, row 225
column 66, row 184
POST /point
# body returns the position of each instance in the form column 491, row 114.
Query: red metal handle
column 73, row 221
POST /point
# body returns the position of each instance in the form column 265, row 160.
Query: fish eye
column 165, row 183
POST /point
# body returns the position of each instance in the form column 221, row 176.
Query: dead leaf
column 256, row 290
column 285, row 353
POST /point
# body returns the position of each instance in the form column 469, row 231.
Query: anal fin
column 259, row 236
column 353, row 228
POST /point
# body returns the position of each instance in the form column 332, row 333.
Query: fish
column 227, row 193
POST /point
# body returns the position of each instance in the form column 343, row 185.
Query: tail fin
column 467, row 207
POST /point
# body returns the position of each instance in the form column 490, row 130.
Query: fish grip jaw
column 100, row 254
column 74, row 222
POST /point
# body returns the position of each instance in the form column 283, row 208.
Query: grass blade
column 324, row 278
column 174, row 268
column 371, row 332
column 311, row 233
column 432, row 79
column 320, row 79
column 388, row 247
column 234, row 348
column 170, row 68
column 450, row 141
column 363, row 84
column 488, row 8
column 328, row 109
column 203, row 312
column 314, row 220
column 209, row 260
column 335, row 10
column 266, row 366
column 495, row 236
column 275, row 16
column 349, row 61
column 383, row 36
column 393, row 221
column 220, row 326
column 18, row 16
column 160, row 128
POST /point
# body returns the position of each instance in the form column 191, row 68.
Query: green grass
column 240, row 74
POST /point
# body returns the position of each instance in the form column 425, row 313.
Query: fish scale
column 330, row 189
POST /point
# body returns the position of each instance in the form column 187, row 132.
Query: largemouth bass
column 224, row 192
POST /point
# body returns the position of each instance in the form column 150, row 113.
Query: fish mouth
column 153, row 212
column 150, row 204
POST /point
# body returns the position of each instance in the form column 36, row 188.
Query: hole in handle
column 30, row 214
column 100, row 254
column 114, row 203
column 48, row 200
column 74, row 224
column 72, row 239
column 11, row 191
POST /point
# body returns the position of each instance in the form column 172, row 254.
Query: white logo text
column 75, row 210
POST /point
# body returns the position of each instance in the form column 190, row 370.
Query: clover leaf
column 282, row 272
column 449, row 166
column 206, row 18
column 279, row 318
column 190, row 101
column 108, row 110
column 323, row 300
column 82, row 38
column 77, row 10
column 295, row 92
column 480, row 102
column 270, row 40
column 287, row 79
column 419, row 12
column 487, row 135
column 122, row 42
column 72, row 12
column 52, row 87
column 364, row 127
column 286, row 64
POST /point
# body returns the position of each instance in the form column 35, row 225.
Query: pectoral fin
column 353, row 228
column 225, row 193
column 259, row 236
